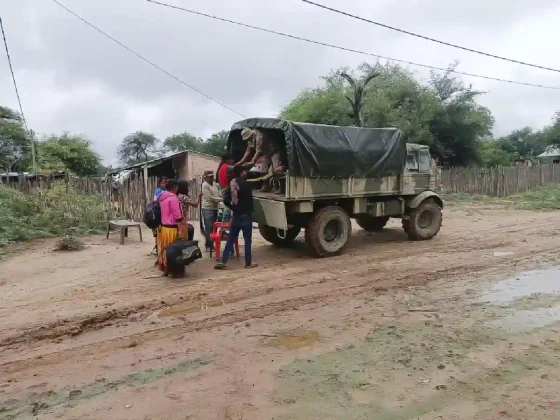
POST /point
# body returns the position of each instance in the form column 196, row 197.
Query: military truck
column 335, row 174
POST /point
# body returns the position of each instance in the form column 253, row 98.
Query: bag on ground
column 180, row 254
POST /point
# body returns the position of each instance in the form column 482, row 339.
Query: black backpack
column 152, row 215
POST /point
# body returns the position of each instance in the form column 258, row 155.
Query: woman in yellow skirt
column 173, row 222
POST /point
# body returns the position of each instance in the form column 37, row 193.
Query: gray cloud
column 72, row 78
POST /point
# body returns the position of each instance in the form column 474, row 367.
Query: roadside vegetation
column 59, row 211
column 545, row 198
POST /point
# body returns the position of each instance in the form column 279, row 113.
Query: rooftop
column 157, row 161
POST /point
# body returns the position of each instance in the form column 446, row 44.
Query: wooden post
column 33, row 157
column 503, row 183
column 146, row 183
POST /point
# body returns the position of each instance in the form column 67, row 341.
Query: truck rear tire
column 328, row 231
column 270, row 234
column 372, row 224
column 423, row 222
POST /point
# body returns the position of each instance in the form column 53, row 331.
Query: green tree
column 399, row 100
column 459, row 123
column 443, row 114
column 68, row 152
column 322, row 105
column 183, row 141
column 15, row 143
column 492, row 154
column 523, row 143
column 358, row 90
column 216, row 144
column 138, row 147
column 551, row 134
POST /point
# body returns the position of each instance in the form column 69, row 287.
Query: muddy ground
column 453, row 328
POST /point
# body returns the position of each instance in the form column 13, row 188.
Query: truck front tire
column 423, row 222
column 372, row 224
column 270, row 234
column 328, row 231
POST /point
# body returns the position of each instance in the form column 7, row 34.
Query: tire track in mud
column 372, row 287
column 73, row 327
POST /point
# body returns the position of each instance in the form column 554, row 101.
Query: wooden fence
column 128, row 199
column 496, row 182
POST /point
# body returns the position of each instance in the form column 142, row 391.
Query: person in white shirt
column 211, row 198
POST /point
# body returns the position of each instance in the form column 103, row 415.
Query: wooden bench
column 123, row 226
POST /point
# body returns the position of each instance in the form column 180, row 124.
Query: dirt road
column 390, row 330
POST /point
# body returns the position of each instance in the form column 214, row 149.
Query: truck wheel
column 270, row 234
column 423, row 222
column 328, row 231
column 372, row 224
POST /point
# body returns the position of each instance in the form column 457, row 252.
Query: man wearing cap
column 259, row 144
column 211, row 198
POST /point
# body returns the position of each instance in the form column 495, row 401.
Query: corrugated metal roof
column 157, row 161
column 551, row 151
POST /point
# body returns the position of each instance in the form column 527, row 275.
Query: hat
column 208, row 173
column 246, row 133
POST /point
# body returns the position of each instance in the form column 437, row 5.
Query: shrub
column 43, row 213
column 69, row 243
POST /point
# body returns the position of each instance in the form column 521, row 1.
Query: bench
column 122, row 226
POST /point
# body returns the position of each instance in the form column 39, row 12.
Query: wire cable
column 430, row 39
column 146, row 60
column 13, row 75
column 324, row 44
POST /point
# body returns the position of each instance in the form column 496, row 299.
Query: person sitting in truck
column 269, row 148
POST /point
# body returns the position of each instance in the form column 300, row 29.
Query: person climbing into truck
column 222, row 175
column 239, row 197
column 270, row 148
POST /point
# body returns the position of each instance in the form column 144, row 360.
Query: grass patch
column 542, row 198
column 59, row 211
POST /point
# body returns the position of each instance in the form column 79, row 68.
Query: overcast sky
column 72, row 78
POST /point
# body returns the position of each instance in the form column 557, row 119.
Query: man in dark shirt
column 241, row 205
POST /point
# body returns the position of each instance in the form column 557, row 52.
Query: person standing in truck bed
column 269, row 147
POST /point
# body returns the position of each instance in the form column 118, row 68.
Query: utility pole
column 32, row 133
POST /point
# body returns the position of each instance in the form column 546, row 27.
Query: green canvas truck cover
column 316, row 150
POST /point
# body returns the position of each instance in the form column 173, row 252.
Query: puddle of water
column 525, row 284
column 293, row 340
column 501, row 253
column 523, row 321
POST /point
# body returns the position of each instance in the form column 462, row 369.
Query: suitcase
column 179, row 254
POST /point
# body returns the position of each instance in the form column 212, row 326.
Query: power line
column 13, row 75
column 31, row 134
column 430, row 39
column 146, row 60
column 324, row 44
